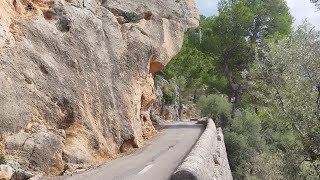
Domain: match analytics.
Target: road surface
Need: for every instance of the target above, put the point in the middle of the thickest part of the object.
(156, 161)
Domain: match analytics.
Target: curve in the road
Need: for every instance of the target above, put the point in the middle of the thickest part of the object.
(156, 161)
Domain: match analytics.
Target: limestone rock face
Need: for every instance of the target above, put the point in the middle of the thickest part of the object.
(5, 172)
(75, 75)
(161, 109)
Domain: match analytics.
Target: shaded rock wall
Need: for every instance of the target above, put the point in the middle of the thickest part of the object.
(161, 109)
(75, 75)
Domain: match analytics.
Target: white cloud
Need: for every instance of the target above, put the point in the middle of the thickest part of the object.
(300, 9)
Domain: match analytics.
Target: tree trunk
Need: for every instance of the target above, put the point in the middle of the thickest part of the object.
(237, 99)
(195, 96)
(236, 89)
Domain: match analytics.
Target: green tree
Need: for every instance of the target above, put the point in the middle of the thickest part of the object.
(243, 142)
(241, 26)
(291, 71)
(196, 67)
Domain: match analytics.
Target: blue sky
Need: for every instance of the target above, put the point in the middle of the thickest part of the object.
(208, 7)
(300, 9)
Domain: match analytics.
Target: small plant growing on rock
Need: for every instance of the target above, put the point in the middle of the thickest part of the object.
(169, 94)
(132, 17)
(2, 159)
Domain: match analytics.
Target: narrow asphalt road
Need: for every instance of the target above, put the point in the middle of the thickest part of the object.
(156, 161)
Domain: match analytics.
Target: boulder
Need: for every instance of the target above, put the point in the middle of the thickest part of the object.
(4, 176)
(40, 148)
(5, 172)
(20, 174)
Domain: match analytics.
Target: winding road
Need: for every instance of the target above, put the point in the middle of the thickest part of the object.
(157, 160)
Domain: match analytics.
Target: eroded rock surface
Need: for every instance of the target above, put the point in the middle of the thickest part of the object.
(166, 109)
(75, 76)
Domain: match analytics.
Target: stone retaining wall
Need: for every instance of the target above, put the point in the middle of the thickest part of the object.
(207, 160)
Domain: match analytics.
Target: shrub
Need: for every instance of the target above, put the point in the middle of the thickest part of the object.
(169, 94)
(244, 142)
(181, 82)
(2, 159)
(215, 107)
(132, 17)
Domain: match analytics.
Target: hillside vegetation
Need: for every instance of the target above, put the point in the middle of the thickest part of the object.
(259, 79)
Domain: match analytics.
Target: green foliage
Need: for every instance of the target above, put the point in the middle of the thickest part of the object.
(309, 170)
(275, 132)
(290, 70)
(316, 3)
(2, 159)
(181, 82)
(169, 94)
(267, 166)
(243, 142)
(132, 17)
(232, 37)
(197, 68)
(216, 107)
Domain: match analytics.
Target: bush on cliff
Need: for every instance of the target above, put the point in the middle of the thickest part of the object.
(169, 94)
(2, 159)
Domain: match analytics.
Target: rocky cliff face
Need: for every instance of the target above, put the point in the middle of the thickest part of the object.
(167, 106)
(75, 76)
